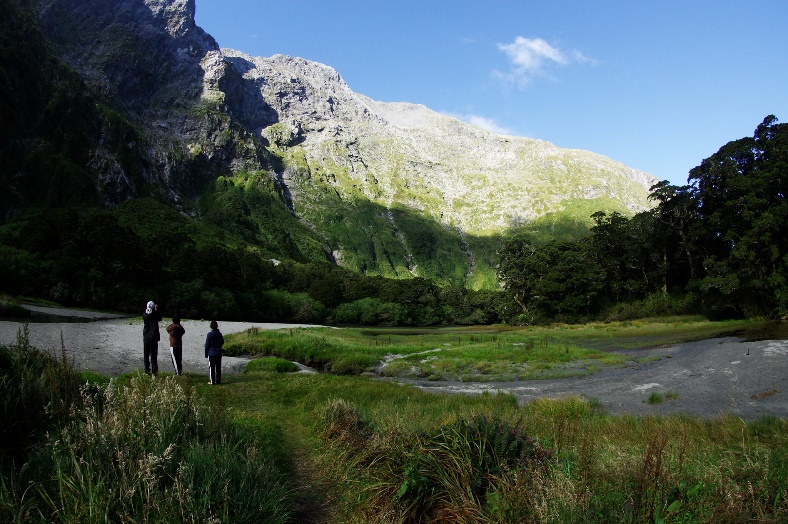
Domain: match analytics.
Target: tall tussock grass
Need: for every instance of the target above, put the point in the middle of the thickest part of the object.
(143, 451)
(450, 473)
(557, 462)
(37, 392)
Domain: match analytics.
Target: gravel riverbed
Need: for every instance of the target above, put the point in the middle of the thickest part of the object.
(728, 375)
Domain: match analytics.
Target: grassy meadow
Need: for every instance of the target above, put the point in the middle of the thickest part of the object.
(270, 445)
(479, 353)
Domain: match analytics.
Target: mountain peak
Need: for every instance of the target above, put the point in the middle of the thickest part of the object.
(383, 187)
(406, 115)
(404, 154)
(178, 15)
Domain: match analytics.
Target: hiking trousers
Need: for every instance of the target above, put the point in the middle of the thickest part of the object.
(215, 369)
(150, 353)
(176, 354)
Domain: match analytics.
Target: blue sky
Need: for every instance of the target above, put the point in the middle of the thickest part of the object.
(658, 86)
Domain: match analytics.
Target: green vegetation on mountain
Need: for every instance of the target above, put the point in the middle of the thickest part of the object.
(362, 212)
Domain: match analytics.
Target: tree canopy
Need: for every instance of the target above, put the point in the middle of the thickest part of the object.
(720, 241)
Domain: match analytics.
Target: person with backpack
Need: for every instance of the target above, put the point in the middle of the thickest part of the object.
(176, 332)
(213, 352)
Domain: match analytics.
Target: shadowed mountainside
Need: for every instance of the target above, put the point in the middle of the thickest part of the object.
(106, 101)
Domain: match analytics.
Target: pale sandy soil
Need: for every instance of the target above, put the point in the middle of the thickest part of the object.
(706, 378)
(112, 344)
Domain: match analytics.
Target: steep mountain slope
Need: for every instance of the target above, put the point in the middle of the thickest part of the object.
(400, 154)
(113, 100)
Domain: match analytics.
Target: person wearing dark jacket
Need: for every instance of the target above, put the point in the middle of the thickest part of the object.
(176, 332)
(150, 337)
(213, 352)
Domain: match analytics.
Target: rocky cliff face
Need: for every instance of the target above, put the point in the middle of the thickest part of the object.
(138, 69)
(405, 154)
(142, 55)
(149, 104)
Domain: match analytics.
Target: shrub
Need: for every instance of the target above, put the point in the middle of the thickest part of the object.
(37, 392)
(362, 311)
(452, 473)
(458, 462)
(655, 398)
(654, 305)
(146, 452)
(271, 364)
(10, 308)
(292, 307)
(343, 423)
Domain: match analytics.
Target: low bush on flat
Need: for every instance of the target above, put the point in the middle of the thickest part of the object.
(556, 462)
(37, 393)
(275, 447)
(271, 364)
(481, 353)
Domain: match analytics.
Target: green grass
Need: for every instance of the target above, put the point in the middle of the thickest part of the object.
(487, 353)
(271, 364)
(656, 397)
(10, 307)
(135, 449)
(377, 451)
(345, 449)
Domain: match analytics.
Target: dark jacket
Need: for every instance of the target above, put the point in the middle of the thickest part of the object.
(213, 343)
(150, 331)
(176, 332)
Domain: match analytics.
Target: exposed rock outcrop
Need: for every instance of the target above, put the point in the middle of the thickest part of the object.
(147, 103)
(407, 154)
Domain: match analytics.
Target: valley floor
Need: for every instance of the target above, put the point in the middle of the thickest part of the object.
(112, 344)
(705, 378)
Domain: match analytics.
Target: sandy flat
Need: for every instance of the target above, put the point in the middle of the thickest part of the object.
(112, 345)
(712, 377)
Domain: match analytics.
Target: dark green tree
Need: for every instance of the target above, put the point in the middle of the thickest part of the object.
(519, 270)
(741, 196)
(675, 231)
(560, 280)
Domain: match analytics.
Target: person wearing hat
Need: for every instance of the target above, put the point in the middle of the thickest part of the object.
(150, 337)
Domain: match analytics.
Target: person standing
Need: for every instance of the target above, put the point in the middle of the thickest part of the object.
(150, 337)
(213, 352)
(176, 332)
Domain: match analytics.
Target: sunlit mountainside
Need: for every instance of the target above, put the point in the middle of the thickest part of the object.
(115, 101)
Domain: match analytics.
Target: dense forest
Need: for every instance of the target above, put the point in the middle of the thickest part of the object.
(143, 249)
(716, 245)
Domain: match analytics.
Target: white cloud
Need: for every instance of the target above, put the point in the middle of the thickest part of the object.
(530, 57)
(483, 122)
(529, 54)
(581, 58)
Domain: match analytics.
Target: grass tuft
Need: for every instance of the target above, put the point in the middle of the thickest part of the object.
(146, 450)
